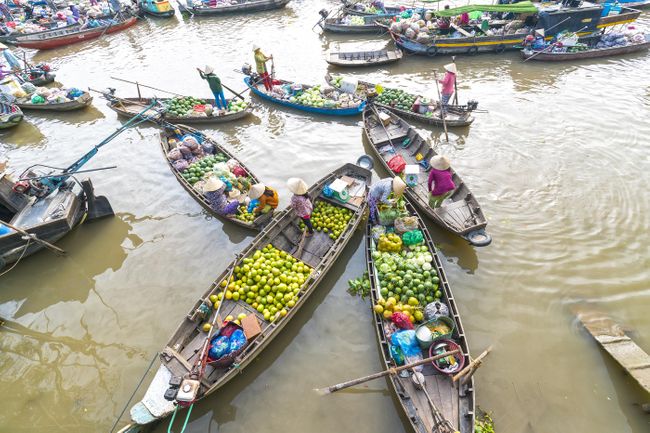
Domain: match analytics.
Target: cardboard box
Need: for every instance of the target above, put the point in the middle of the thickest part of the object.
(251, 326)
(385, 118)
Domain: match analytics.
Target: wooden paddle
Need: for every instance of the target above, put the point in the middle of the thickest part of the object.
(353, 382)
(148, 87)
(453, 60)
(56, 250)
(472, 366)
(442, 108)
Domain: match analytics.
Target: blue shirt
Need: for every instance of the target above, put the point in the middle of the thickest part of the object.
(382, 189)
(11, 60)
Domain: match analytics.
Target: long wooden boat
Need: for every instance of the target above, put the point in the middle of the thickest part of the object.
(336, 25)
(49, 218)
(76, 104)
(130, 107)
(169, 132)
(593, 53)
(456, 402)
(11, 37)
(239, 6)
(10, 115)
(627, 15)
(461, 213)
(70, 35)
(257, 88)
(456, 115)
(352, 59)
(319, 252)
(157, 8)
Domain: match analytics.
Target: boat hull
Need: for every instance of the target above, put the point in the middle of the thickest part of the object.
(54, 39)
(316, 110)
(251, 6)
(371, 58)
(588, 54)
(118, 106)
(81, 102)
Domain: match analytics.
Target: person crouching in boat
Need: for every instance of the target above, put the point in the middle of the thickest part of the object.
(10, 58)
(300, 202)
(381, 192)
(440, 184)
(215, 192)
(447, 83)
(215, 86)
(539, 43)
(267, 197)
(260, 66)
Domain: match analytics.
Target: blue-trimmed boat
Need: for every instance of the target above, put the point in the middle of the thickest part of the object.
(356, 108)
(157, 8)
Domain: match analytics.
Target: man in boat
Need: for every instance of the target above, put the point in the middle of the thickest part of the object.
(215, 86)
(447, 82)
(539, 43)
(115, 6)
(215, 192)
(440, 183)
(260, 66)
(267, 196)
(381, 192)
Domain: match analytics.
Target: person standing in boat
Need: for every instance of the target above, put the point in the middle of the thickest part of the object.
(300, 202)
(267, 197)
(440, 183)
(448, 82)
(260, 66)
(380, 192)
(215, 86)
(214, 191)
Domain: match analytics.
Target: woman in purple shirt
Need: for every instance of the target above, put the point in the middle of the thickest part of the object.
(300, 202)
(440, 181)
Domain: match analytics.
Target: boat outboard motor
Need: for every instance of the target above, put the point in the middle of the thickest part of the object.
(246, 69)
(324, 13)
(472, 105)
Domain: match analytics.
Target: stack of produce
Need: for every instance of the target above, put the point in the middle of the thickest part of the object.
(397, 98)
(328, 218)
(237, 105)
(316, 97)
(198, 169)
(44, 95)
(269, 280)
(352, 20)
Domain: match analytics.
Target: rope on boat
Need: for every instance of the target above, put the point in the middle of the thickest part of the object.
(136, 390)
(29, 241)
(187, 418)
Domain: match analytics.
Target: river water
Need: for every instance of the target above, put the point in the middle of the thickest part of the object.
(559, 163)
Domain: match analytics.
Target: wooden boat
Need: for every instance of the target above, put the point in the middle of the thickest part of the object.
(456, 402)
(129, 107)
(49, 218)
(625, 16)
(10, 115)
(592, 53)
(337, 25)
(167, 133)
(318, 251)
(363, 58)
(157, 8)
(257, 87)
(76, 104)
(42, 80)
(456, 116)
(70, 35)
(11, 37)
(239, 6)
(461, 213)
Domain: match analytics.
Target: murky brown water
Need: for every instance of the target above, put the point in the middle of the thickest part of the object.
(560, 165)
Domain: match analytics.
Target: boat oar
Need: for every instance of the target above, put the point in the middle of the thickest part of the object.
(235, 93)
(353, 382)
(453, 60)
(76, 172)
(110, 25)
(56, 250)
(472, 366)
(442, 108)
(148, 87)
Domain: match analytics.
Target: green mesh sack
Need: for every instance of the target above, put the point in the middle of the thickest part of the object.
(413, 237)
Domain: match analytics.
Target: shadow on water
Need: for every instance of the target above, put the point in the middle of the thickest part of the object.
(220, 404)
(25, 133)
(93, 248)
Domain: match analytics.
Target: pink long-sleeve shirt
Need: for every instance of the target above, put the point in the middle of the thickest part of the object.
(448, 83)
(442, 181)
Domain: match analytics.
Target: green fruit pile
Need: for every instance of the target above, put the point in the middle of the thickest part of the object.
(182, 106)
(244, 215)
(269, 280)
(237, 105)
(328, 218)
(198, 169)
(397, 98)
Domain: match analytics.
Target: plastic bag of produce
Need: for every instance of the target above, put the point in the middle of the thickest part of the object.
(401, 321)
(423, 38)
(237, 340)
(252, 205)
(409, 33)
(395, 28)
(436, 309)
(219, 347)
(181, 165)
(413, 237)
(396, 354)
(74, 93)
(186, 151)
(397, 164)
(208, 148)
(406, 341)
(377, 231)
(238, 171)
(38, 99)
(387, 216)
(29, 88)
(406, 224)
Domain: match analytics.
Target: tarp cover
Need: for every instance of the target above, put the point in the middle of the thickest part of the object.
(524, 7)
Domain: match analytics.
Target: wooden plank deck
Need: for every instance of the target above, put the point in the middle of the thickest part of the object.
(611, 337)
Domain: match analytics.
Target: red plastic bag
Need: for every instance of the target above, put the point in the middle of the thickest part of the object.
(401, 321)
(238, 171)
(397, 164)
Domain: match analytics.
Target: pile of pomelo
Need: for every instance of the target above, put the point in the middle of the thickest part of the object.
(330, 219)
(269, 280)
